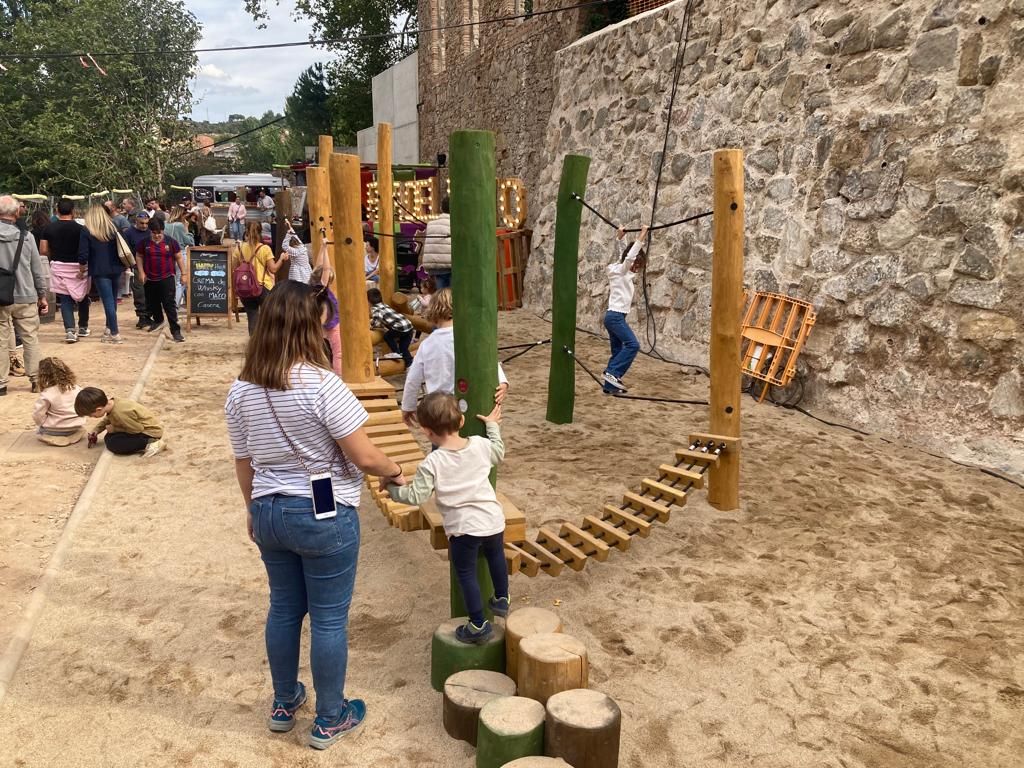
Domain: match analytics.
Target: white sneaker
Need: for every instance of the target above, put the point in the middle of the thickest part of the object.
(614, 382)
(70, 336)
(153, 449)
(119, 339)
(83, 332)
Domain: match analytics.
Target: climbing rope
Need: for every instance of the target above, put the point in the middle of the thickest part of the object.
(629, 397)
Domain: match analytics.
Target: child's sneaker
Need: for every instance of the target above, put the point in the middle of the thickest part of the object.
(613, 382)
(325, 733)
(83, 332)
(473, 634)
(154, 447)
(282, 715)
(500, 606)
(70, 337)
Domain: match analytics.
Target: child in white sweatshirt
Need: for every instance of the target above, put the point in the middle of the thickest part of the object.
(620, 300)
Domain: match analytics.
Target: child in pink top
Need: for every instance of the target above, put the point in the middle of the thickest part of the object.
(54, 412)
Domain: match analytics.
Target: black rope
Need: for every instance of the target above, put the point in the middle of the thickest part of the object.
(417, 218)
(652, 355)
(630, 397)
(530, 348)
(612, 224)
(520, 346)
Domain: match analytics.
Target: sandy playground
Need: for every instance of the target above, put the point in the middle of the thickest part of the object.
(862, 609)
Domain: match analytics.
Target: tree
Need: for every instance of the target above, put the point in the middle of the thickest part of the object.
(260, 150)
(76, 130)
(308, 108)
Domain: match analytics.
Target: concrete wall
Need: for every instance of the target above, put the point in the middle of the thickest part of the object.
(884, 179)
(395, 99)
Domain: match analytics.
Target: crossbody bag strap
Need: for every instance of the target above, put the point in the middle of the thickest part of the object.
(291, 445)
(17, 253)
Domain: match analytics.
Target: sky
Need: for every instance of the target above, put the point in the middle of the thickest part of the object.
(248, 82)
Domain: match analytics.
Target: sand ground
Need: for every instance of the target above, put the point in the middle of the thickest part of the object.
(861, 609)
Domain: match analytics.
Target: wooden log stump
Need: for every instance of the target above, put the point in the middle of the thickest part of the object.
(465, 694)
(550, 663)
(525, 622)
(582, 727)
(510, 728)
(537, 762)
(448, 655)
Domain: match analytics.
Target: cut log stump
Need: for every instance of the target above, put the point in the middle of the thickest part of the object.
(465, 694)
(448, 655)
(582, 728)
(549, 663)
(510, 728)
(525, 622)
(537, 762)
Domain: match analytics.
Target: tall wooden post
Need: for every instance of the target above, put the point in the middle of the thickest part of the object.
(474, 296)
(569, 212)
(387, 212)
(318, 198)
(283, 219)
(325, 148)
(356, 348)
(726, 308)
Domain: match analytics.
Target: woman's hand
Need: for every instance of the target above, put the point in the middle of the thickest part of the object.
(248, 526)
(494, 417)
(409, 417)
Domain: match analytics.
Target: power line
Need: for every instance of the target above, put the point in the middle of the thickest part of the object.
(230, 138)
(298, 43)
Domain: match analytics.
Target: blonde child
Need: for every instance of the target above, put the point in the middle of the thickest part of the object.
(433, 367)
(323, 278)
(459, 473)
(54, 412)
(130, 427)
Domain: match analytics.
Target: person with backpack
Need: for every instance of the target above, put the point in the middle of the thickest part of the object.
(252, 272)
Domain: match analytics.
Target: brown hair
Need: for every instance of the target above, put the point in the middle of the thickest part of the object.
(88, 400)
(439, 412)
(54, 372)
(317, 277)
(440, 308)
(287, 333)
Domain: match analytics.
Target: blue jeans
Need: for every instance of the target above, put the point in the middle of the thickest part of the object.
(106, 286)
(463, 551)
(67, 311)
(442, 279)
(311, 565)
(623, 341)
(236, 229)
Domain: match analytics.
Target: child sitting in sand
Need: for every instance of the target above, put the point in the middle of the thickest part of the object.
(459, 472)
(54, 412)
(130, 427)
(620, 300)
(434, 364)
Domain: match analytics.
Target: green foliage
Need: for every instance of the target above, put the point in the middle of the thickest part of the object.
(308, 108)
(258, 151)
(74, 129)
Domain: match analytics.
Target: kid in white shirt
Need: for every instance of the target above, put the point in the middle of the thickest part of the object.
(620, 300)
(459, 472)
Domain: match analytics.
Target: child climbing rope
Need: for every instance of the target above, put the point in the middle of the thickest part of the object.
(620, 300)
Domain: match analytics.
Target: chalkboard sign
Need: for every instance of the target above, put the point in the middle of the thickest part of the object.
(209, 283)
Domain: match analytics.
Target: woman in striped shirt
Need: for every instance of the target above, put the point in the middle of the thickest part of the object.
(290, 417)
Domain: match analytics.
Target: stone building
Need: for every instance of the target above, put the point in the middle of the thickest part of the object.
(884, 181)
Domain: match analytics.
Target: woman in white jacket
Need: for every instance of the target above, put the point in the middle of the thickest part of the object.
(436, 250)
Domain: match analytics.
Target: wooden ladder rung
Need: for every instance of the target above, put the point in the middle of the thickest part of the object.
(616, 537)
(677, 495)
(528, 564)
(550, 563)
(696, 457)
(562, 549)
(591, 545)
(513, 560)
(394, 428)
(704, 438)
(626, 520)
(696, 479)
(379, 404)
(385, 417)
(655, 509)
(383, 441)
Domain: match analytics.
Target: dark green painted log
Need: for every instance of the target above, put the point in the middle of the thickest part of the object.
(562, 375)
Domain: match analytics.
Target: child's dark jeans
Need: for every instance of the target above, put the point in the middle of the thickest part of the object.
(126, 443)
(399, 342)
(463, 552)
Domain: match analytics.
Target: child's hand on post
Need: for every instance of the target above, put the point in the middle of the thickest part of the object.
(500, 392)
(494, 417)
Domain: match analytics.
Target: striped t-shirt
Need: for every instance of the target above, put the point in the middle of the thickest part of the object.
(315, 412)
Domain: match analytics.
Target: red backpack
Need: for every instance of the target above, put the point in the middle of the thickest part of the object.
(243, 278)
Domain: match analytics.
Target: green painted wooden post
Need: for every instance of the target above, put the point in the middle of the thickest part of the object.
(568, 213)
(474, 296)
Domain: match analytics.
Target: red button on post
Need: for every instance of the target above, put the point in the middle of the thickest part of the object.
(462, 386)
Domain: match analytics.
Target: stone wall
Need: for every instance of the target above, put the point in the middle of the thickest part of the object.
(884, 182)
(500, 81)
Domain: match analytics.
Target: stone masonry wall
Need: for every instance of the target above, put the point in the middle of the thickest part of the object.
(503, 82)
(884, 182)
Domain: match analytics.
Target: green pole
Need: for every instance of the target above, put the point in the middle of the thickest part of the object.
(568, 212)
(474, 213)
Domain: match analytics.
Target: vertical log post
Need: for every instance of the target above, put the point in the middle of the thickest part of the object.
(726, 308)
(569, 211)
(356, 348)
(474, 297)
(387, 212)
(283, 217)
(318, 193)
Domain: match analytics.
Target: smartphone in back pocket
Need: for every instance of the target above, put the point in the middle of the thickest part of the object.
(322, 486)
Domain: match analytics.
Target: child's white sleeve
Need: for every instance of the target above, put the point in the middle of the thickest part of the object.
(502, 379)
(631, 255)
(497, 444)
(418, 491)
(413, 381)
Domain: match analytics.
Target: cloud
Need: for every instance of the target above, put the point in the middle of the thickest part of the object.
(248, 82)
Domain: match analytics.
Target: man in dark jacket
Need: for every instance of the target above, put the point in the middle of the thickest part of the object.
(135, 236)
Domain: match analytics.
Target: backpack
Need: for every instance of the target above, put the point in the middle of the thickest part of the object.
(243, 278)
